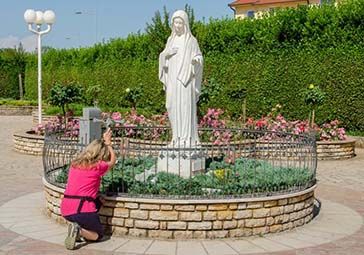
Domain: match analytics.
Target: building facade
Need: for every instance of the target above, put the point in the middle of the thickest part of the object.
(256, 8)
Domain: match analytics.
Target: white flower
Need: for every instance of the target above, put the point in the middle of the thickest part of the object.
(127, 90)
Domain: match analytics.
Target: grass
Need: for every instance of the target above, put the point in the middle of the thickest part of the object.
(55, 110)
(355, 133)
(14, 102)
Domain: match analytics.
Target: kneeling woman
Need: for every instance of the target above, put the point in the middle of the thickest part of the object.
(80, 204)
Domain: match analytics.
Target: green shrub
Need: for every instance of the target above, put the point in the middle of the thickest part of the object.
(272, 59)
(62, 95)
(246, 176)
(77, 109)
(12, 64)
(18, 102)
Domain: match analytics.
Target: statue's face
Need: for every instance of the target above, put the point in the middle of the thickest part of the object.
(178, 25)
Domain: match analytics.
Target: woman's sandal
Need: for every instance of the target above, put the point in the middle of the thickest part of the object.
(72, 236)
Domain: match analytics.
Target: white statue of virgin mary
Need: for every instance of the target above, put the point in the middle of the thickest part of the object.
(180, 71)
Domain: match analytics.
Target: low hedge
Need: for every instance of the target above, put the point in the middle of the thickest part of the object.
(246, 176)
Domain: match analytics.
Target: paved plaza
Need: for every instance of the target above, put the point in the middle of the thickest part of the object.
(24, 228)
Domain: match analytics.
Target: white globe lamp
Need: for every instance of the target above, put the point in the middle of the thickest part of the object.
(39, 18)
(49, 17)
(29, 16)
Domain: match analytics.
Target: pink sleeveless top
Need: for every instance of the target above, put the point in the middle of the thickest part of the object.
(83, 182)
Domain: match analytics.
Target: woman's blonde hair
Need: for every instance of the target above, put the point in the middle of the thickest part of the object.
(94, 152)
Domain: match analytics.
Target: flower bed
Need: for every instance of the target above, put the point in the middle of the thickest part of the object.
(332, 144)
(28, 142)
(234, 196)
(221, 178)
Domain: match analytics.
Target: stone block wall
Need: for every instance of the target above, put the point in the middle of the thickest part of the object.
(359, 141)
(190, 219)
(332, 150)
(12, 110)
(45, 118)
(28, 143)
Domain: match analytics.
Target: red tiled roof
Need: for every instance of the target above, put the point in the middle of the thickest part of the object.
(260, 2)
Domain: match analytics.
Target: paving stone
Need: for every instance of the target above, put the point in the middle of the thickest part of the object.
(190, 247)
(135, 246)
(270, 245)
(162, 248)
(217, 247)
(244, 246)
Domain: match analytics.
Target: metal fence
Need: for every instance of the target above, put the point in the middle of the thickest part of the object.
(229, 162)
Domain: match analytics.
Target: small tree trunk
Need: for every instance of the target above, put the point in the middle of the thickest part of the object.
(64, 112)
(244, 110)
(21, 93)
(313, 118)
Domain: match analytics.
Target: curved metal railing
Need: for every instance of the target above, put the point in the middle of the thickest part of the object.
(227, 162)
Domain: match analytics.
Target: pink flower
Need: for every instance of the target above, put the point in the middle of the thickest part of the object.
(116, 116)
(261, 123)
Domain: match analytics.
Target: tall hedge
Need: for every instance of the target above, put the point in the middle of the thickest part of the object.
(274, 58)
(12, 63)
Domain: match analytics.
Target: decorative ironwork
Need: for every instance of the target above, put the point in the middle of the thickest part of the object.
(248, 163)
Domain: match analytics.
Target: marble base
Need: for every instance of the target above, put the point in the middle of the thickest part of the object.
(177, 162)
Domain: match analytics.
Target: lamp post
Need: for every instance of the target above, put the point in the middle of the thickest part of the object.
(38, 18)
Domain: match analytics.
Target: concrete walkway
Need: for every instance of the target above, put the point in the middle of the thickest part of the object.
(24, 229)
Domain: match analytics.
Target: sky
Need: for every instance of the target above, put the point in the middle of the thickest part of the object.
(99, 21)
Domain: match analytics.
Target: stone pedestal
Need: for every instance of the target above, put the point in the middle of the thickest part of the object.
(90, 128)
(181, 162)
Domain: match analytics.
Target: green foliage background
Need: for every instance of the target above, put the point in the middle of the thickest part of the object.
(274, 58)
(12, 63)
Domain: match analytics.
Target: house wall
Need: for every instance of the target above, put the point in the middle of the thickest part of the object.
(242, 10)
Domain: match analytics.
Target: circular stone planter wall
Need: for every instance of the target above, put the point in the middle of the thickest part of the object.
(326, 150)
(12, 110)
(207, 218)
(359, 141)
(329, 150)
(29, 143)
(45, 118)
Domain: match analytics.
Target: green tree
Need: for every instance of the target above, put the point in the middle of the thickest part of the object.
(62, 95)
(12, 64)
(314, 97)
(132, 96)
(191, 17)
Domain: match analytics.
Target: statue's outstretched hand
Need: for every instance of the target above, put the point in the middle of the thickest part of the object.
(196, 65)
(171, 52)
(196, 61)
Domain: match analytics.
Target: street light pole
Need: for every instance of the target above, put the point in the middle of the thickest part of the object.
(38, 18)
